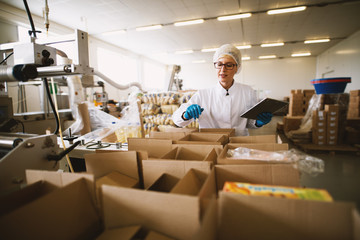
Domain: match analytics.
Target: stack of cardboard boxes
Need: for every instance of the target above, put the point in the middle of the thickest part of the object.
(319, 127)
(354, 105)
(169, 189)
(353, 118)
(332, 121)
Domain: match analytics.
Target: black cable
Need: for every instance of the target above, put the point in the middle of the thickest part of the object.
(30, 19)
(4, 60)
(63, 153)
(22, 124)
(52, 106)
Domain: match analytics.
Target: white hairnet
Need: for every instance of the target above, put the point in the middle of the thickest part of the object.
(228, 50)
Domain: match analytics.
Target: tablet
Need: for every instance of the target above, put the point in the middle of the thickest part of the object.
(265, 105)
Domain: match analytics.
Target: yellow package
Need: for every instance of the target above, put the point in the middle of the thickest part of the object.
(278, 191)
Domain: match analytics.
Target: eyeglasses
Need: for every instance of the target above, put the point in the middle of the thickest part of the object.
(228, 66)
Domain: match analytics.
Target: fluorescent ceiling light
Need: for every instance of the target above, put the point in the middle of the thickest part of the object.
(286, 10)
(243, 47)
(146, 28)
(317, 41)
(232, 17)
(198, 61)
(112, 33)
(267, 57)
(209, 49)
(245, 58)
(184, 52)
(272, 44)
(191, 22)
(301, 54)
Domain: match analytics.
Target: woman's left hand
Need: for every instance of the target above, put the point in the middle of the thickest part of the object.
(263, 118)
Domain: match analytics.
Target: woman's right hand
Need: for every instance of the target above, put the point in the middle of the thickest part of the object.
(193, 111)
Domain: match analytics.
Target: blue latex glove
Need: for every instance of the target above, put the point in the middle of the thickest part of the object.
(193, 111)
(263, 118)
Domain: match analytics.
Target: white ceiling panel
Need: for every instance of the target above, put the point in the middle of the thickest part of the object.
(336, 20)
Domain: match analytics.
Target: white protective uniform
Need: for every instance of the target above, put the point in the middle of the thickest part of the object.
(221, 110)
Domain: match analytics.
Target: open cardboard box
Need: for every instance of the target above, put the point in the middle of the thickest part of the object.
(259, 217)
(254, 139)
(64, 213)
(154, 147)
(173, 215)
(230, 132)
(178, 161)
(270, 147)
(204, 139)
(269, 174)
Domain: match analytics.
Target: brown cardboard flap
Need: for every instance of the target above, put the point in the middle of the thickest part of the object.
(153, 169)
(174, 215)
(168, 135)
(31, 192)
(164, 183)
(204, 138)
(356, 219)
(61, 179)
(217, 147)
(275, 218)
(117, 179)
(124, 233)
(271, 174)
(191, 183)
(101, 164)
(154, 147)
(70, 207)
(254, 139)
(228, 131)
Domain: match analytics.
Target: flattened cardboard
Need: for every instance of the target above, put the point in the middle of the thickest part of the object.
(174, 215)
(223, 159)
(69, 208)
(155, 147)
(204, 139)
(276, 218)
(253, 139)
(124, 233)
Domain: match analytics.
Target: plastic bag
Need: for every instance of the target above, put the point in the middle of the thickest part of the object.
(305, 163)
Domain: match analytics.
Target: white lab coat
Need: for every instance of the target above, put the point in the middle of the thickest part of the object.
(220, 110)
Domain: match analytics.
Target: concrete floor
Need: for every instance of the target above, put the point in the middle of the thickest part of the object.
(342, 170)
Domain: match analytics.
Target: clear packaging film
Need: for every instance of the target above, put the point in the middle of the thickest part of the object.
(305, 163)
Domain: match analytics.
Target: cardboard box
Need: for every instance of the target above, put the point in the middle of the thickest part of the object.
(276, 218)
(165, 183)
(178, 161)
(254, 139)
(204, 139)
(230, 132)
(70, 208)
(178, 129)
(292, 122)
(154, 147)
(124, 233)
(168, 135)
(224, 159)
(174, 215)
(354, 93)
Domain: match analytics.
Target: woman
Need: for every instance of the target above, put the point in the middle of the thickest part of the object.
(222, 105)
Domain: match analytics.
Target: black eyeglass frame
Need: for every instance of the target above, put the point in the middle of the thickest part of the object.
(228, 66)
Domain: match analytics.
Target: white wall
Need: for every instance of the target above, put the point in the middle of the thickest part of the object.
(342, 60)
(272, 78)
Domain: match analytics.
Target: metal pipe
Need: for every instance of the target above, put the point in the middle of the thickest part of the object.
(114, 84)
(20, 72)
